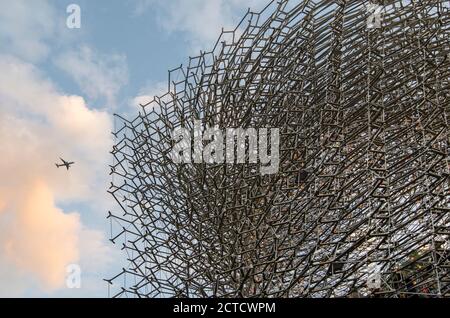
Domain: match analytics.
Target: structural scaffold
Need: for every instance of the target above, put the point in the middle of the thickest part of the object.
(360, 206)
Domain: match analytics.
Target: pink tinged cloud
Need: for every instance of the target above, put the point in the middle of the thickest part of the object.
(37, 125)
(41, 239)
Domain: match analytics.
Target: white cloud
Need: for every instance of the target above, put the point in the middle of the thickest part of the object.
(147, 94)
(38, 238)
(26, 27)
(98, 75)
(203, 20)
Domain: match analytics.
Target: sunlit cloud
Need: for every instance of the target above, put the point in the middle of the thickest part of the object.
(98, 75)
(37, 125)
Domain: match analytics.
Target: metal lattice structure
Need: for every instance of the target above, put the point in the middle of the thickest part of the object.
(361, 204)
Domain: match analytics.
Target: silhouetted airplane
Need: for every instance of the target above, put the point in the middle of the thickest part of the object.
(64, 164)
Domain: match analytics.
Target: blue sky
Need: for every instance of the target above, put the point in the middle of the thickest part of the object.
(138, 31)
(58, 90)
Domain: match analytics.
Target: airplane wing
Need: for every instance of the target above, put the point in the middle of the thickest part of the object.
(65, 163)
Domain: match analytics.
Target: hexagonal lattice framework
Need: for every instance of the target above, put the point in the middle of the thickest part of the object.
(361, 203)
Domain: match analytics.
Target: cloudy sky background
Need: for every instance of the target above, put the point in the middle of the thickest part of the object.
(58, 90)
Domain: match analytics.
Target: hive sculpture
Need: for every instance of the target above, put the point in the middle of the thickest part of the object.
(360, 206)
